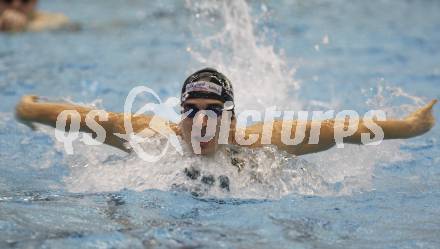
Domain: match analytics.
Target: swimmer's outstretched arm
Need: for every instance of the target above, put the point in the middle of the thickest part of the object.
(415, 124)
(29, 110)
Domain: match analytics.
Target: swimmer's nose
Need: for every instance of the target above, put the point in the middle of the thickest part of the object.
(203, 131)
(201, 120)
(204, 123)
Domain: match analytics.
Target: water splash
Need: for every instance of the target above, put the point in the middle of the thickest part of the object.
(225, 38)
(389, 98)
(267, 173)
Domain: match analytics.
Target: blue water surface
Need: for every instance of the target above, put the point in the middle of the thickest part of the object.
(344, 53)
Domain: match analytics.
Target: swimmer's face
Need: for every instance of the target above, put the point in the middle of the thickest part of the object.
(200, 122)
(26, 7)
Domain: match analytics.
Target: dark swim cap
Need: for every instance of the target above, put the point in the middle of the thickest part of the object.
(207, 83)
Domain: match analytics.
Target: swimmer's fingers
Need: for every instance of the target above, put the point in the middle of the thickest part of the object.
(424, 112)
(29, 99)
(20, 115)
(24, 108)
(429, 106)
(25, 103)
(422, 120)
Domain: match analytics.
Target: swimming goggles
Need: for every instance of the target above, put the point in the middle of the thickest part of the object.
(192, 110)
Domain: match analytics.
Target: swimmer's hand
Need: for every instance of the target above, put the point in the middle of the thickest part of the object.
(29, 99)
(23, 110)
(11, 20)
(422, 120)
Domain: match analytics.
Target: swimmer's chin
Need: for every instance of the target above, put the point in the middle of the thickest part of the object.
(206, 149)
(204, 152)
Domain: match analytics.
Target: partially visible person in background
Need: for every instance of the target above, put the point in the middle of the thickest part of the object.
(22, 15)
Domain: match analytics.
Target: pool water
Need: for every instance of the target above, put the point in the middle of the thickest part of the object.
(297, 55)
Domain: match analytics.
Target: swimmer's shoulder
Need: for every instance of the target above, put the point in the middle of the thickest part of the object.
(47, 21)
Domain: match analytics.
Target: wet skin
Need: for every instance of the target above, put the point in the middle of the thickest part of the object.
(200, 122)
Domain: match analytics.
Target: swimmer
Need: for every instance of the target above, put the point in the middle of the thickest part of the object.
(208, 89)
(22, 15)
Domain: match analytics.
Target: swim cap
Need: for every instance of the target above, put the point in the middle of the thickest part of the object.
(207, 83)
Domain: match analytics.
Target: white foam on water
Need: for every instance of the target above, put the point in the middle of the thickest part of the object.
(267, 173)
(227, 40)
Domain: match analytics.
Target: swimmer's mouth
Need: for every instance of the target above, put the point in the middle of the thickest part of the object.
(199, 140)
(204, 144)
